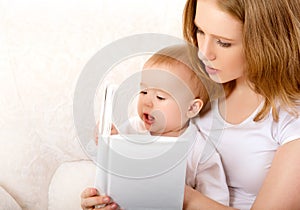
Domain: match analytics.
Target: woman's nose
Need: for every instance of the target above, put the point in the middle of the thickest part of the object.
(206, 50)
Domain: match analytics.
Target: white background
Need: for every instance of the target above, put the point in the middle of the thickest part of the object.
(44, 45)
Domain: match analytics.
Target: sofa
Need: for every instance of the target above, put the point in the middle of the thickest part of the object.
(45, 45)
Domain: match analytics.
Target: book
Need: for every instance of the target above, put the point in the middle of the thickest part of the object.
(140, 172)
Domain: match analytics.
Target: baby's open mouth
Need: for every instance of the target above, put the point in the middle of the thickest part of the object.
(149, 119)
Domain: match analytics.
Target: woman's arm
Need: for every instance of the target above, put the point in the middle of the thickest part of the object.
(281, 188)
(194, 200)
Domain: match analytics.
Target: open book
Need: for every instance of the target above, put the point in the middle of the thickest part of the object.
(140, 171)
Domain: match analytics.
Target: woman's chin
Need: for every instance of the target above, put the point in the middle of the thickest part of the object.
(216, 78)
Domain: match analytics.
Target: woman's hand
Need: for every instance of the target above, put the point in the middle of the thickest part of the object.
(90, 200)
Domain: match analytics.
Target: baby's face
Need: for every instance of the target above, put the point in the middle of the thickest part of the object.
(164, 100)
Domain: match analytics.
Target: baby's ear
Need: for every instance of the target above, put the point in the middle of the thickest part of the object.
(194, 108)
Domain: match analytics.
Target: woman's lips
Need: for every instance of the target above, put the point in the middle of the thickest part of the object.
(210, 70)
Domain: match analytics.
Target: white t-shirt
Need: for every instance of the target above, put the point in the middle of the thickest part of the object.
(247, 149)
(204, 171)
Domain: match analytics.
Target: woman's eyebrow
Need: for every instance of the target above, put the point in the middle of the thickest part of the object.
(215, 35)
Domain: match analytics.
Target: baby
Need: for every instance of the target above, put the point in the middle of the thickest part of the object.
(170, 95)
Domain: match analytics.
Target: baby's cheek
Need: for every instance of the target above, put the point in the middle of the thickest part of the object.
(139, 108)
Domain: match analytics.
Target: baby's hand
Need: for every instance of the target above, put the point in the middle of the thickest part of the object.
(113, 131)
(90, 199)
(96, 133)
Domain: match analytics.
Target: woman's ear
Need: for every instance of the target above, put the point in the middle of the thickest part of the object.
(194, 108)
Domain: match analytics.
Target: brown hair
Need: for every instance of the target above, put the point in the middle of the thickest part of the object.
(179, 55)
(271, 40)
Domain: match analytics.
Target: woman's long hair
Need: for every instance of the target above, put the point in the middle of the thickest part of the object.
(271, 41)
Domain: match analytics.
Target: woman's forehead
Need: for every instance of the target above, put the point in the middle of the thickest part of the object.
(214, 21)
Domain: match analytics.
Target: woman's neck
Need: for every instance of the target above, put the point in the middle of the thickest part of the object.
(240, 104)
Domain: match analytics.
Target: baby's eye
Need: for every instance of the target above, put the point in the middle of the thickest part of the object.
(160, 98)
(144, 92)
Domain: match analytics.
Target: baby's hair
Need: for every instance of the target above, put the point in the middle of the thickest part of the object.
(179, 55)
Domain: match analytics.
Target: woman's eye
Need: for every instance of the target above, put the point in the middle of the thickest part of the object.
(160, 98)
(223, 44)
(199, 31)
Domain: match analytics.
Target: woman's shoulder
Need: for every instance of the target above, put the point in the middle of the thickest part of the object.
(284, 130)
(287, 127)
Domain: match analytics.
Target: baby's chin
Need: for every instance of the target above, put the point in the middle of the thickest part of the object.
(163, 132)
(155, 131)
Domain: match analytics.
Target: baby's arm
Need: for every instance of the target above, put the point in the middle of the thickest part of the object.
(210, 179)
(206, 182)
(205, 171)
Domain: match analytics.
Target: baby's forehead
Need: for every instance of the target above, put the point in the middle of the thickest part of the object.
(146, 87)
(175, 67)
(184, 74)
(167, 81)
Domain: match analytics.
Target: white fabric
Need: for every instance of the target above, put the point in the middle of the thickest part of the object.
(247, 149)
(204, 171)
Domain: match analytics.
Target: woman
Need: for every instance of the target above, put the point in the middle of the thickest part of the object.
(252, 48)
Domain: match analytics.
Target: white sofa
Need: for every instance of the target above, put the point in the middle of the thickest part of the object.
(44, 47)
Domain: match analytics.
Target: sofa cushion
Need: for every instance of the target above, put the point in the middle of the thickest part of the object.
(7, 201)
(69, 180)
